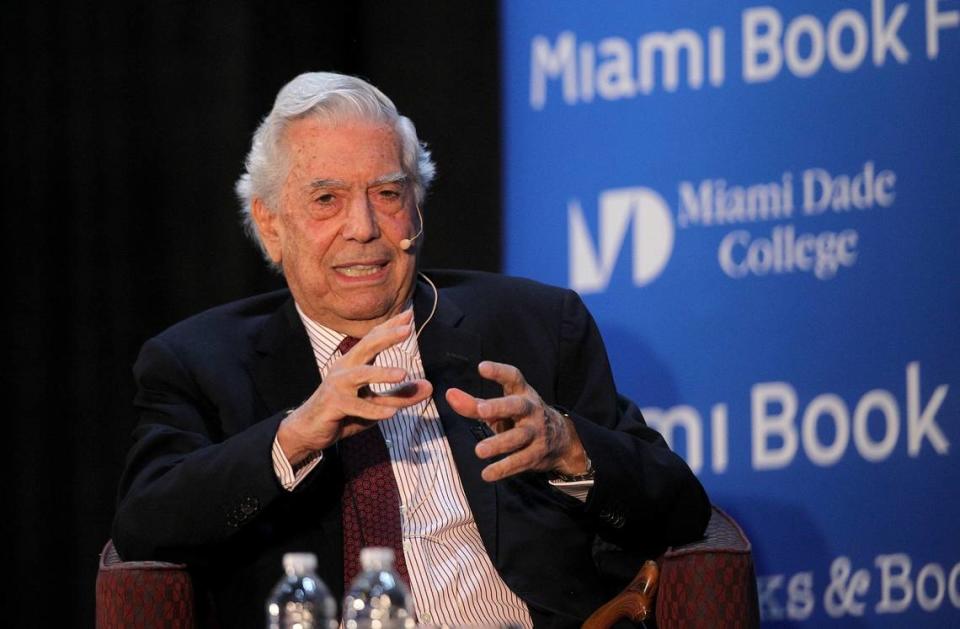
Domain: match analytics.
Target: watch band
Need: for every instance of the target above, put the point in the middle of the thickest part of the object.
(573, 478)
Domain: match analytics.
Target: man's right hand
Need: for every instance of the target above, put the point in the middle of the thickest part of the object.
(343, 405)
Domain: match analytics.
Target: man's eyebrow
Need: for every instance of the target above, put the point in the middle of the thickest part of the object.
(328, 183)
(399, 177)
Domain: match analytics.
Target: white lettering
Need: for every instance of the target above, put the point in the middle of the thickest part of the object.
(716, 60)
(800, 26)
(785, 251)
(615, 73)
(882, 401)
(832, 406)
(616, 67)
(712, 202)
(891, 580)
(696, 207)
(935, 572)
(864, 190)
(668, 45)
(841, 596)
(923, 424)
(805, 46)
(588, 59)
(952, 585)
(719, 439)
(762, 57)
(767, 586)
(937, 21)
(733, 269)
(767, 423)
(886, 179)
(841, 60)
(824, 429)
(800, 598)
(549, 63)
(815, 179)
(885, 33)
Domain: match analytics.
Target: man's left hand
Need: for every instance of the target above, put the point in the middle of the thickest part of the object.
(534, 436)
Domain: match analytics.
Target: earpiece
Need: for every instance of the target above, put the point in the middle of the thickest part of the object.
(436, 300)
(406, 243)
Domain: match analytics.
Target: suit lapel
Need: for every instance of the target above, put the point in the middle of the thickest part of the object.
(450, 356)
(286, 371)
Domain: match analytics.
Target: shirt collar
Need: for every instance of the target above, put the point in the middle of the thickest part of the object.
(325, 341)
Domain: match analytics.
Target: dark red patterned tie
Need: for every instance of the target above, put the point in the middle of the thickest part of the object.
(371, 500)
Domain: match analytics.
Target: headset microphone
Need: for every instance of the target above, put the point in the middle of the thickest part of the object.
(406, 243)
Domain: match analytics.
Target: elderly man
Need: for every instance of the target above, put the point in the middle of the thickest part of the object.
(467, 420)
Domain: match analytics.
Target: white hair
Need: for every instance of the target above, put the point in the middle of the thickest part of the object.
(328, 96)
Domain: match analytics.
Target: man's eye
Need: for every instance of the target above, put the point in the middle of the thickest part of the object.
(325, 199)
(390, 194)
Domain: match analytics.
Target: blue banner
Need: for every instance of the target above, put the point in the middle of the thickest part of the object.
(761, 207)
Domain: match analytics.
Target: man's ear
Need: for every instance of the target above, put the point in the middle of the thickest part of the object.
(269, 227)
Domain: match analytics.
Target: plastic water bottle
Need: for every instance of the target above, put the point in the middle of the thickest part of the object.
(300, 599)
(377, 598)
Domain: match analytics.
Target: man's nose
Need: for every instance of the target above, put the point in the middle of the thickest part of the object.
(360, 222)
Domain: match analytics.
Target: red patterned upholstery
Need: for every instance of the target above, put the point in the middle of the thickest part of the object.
(710, 583)
(143, 594)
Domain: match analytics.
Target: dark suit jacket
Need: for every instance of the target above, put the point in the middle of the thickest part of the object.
(199, 486)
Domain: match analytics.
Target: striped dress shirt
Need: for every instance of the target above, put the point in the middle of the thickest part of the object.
(452, 579)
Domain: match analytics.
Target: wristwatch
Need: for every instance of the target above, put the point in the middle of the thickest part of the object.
(573, 478)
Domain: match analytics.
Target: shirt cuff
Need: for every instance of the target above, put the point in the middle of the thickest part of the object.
(288, 475)
(578, 489)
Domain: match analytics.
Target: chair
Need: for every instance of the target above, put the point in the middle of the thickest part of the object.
(143, 594)
(709, 583)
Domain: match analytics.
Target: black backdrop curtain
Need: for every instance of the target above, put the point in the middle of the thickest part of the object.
(124, 128)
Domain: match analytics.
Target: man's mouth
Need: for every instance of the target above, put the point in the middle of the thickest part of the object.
(360, 270)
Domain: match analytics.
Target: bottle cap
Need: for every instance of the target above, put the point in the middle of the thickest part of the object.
(299, 563)
(376, 558)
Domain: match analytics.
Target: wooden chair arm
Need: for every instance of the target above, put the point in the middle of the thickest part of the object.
(634, 602)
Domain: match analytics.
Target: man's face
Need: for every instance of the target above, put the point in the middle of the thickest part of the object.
(344, 208)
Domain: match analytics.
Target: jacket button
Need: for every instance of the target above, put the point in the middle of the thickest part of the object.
(616, 520)
(249, 506)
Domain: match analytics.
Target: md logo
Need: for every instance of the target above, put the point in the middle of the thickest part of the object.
(591, 265)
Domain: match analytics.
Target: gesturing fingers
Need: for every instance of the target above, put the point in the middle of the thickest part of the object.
(387, 334)
(354, 384)
(531, 436)
(508, 376)
(537, 442)
(519, 399)
(354, 378)
(368, 409)
(463, 403)
(406, 394)
(519, 461)
(506, 442)
(511, 406)
(524, 447)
